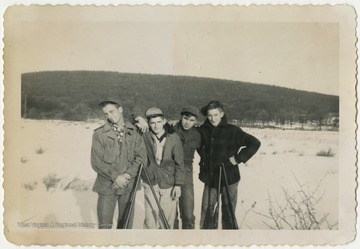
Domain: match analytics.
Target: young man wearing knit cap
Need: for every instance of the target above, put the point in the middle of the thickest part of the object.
(165, 169)
(116, 154)
(190, 138)
(222, 145)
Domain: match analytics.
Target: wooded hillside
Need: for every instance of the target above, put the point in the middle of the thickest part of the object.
(74, 95)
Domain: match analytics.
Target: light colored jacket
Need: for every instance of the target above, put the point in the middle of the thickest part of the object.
(171, 171)
(109, 160)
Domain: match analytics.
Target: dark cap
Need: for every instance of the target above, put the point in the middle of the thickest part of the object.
(153, 111)
(190, 109)
(110, 100)
(214, 104)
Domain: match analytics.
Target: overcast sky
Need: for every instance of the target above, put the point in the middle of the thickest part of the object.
(246, 46)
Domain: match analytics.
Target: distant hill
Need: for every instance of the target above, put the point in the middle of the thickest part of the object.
(74, 95)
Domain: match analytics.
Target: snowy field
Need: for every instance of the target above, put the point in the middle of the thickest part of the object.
(292, 169)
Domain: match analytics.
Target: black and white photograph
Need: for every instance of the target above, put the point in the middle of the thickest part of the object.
(227, 125)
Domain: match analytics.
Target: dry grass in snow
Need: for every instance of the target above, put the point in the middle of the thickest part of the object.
(289, 176)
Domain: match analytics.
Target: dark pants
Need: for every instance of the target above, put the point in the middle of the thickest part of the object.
(186, 203)
(209, 216)
(106, 207)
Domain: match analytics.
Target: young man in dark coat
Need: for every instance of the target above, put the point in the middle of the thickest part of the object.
(221, 144)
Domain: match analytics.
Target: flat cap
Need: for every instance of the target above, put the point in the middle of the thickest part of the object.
(109, 100)
(153, 111)
(191, 109)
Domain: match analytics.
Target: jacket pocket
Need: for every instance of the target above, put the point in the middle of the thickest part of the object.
(110, 153)
(109, 157)
(167, 174)
(151, 173)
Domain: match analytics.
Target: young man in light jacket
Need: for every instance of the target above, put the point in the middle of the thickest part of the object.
(165, 168)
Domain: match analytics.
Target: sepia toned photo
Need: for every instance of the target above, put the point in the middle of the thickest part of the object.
(224, 125)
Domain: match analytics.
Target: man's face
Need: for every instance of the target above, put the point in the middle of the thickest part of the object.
(157, 125)
(112, 113)
(188, 121)
(214, 116)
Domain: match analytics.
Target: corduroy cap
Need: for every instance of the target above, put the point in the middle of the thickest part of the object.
(191, 109)
(153, 111)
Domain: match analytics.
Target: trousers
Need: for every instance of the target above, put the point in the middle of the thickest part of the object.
(186, 203)
(168, 205)
(209, 216)
(106, 207)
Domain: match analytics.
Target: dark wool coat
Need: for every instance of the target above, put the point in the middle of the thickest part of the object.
(110, 160)
(220, 143)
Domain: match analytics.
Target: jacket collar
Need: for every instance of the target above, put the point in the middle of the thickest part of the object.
(169, 129)
(160, 139)
(179, 126)
(129, 127)
(222, 123)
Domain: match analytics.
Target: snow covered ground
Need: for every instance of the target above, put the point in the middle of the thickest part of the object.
(286, 163)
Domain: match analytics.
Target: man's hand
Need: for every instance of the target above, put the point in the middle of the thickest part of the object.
(142, 124)
(233, 160)
(175, 192)
(121, 181)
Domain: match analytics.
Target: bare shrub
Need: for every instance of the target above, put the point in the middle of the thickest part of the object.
(246, 211)
(328, 153)
(40, 150)
(297, 211)
(51, 181)
(30, 185)
(77, 184)
(23, 159)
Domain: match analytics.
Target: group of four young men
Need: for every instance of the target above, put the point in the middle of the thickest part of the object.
(166, 153)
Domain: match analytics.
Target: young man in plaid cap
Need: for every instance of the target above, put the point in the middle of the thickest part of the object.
(116, 154)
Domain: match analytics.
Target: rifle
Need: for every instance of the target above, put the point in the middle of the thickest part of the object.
(211, 221)
(232, 212)
(161, 212)
(215, 221)
(124, 222)
(208, 221)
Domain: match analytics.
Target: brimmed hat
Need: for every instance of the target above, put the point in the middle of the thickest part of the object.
(153, 111)
(211, 105)
(191, 109)
(110, 100)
